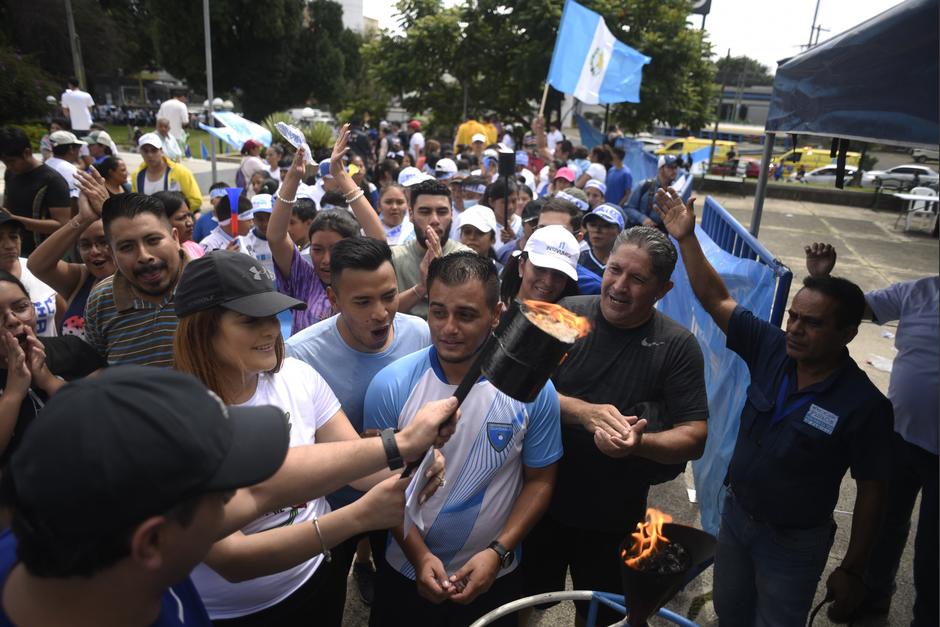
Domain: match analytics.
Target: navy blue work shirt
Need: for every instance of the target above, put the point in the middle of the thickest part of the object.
(793, 447)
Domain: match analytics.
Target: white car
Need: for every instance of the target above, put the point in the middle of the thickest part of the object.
(650, 143)
(921, 155)
(904, 174)
(825, 175)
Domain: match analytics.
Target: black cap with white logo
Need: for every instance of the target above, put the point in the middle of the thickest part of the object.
(236, 281)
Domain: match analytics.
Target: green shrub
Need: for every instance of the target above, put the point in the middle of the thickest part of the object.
(23, 88)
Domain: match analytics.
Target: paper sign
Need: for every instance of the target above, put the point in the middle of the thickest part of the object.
(413, 493)
(295, 138)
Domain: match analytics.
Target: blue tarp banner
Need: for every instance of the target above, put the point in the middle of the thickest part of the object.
(726, 377)
(875, 82)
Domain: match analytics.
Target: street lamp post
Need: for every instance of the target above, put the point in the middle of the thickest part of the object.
(77, 64)
(211, 120)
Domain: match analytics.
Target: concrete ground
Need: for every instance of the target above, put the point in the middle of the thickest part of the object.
(871, 252)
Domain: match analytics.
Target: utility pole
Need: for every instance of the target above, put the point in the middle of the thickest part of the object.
(209, 94)
(721, 93)
(809, 44)
(819, 28)
(77, 64)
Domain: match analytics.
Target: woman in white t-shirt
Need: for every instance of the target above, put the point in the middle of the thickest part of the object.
(393, 212)
(45, 299)
(276, 570)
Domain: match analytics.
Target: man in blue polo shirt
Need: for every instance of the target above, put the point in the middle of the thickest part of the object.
(502, 461)
(810, 415)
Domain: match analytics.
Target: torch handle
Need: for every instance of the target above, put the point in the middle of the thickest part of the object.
(463, 389)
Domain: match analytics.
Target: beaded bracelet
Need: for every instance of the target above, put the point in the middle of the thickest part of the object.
(284, 200)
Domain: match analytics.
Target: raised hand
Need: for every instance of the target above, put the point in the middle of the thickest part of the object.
(18, 376)
(92, 194)
(678, 218)
(298, 166)
(820, 259)
(340, 148)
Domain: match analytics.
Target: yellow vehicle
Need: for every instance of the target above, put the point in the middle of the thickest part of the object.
(812, 158)
(684, 145)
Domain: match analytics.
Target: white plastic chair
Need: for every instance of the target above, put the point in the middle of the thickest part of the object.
(920, 208)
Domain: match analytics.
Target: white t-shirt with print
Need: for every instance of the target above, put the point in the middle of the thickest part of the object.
(259, 248)
(309, 404)
(43, 299)
(77, 102)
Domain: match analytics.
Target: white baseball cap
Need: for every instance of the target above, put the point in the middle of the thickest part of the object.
(478, 137)
(480, 217)
(445, 169)
(556, 248)
(150, 139)
(412, 176)
(65, 138)
(263, 203)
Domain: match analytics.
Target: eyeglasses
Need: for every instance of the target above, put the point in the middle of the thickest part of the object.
(85, 245)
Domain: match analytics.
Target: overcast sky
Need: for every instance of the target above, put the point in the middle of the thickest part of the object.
(765, 30)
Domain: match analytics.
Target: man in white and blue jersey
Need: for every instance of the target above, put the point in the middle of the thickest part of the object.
(350, 348)
(130, 317)
(502, 462)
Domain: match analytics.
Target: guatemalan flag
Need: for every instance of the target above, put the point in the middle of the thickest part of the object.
(589, 62)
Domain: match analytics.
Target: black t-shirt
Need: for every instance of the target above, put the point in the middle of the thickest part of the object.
(31, 194)
(68, 357)
(655, 371)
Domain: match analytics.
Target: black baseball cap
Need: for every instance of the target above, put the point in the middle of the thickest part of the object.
(109, 451)
(236, 281)
(6, 218)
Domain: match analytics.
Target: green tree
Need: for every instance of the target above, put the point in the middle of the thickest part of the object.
(499, 54)
(270, 54)
(742, 70)
(39, 28)
(23, 89)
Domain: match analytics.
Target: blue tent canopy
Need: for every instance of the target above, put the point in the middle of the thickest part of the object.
(876, 82)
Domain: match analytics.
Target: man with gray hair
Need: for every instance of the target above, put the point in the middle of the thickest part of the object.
(633, 411)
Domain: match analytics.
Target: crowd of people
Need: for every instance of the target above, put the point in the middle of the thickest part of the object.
(170, 455)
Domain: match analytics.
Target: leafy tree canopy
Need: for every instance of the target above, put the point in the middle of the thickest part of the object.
(498, 54)
(743, 70)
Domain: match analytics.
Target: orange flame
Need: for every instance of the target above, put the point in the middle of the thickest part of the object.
(556, 320)
(647, 538)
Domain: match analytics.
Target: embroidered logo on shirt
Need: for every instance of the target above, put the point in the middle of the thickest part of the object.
(821, 419)
(645, 342)
(499, 435)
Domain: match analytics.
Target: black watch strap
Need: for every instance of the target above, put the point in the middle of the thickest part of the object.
(392, 454)
(505, 555)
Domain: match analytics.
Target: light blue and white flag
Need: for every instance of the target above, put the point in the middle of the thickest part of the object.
(243, 127)
(590, 63)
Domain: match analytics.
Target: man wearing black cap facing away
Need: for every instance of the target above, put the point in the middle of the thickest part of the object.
(130, 477)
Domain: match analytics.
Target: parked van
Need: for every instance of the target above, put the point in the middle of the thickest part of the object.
(812, 158)
(685, 145)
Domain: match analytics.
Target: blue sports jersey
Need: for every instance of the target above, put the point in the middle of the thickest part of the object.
(495, 437)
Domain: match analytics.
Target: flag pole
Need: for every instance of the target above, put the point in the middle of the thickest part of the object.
(544, 100)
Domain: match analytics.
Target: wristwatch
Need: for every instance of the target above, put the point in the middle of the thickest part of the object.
(392, 454)
(505, 555)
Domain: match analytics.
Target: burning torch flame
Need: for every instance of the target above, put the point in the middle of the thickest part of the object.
(556, 320)
(647, 538)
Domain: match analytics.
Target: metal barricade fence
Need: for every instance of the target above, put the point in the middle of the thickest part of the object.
(733, 238)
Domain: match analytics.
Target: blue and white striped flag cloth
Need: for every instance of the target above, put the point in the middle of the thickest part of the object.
(590, 63)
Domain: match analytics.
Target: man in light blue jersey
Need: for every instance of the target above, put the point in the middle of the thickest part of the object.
(348, 349)
(501, 461)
